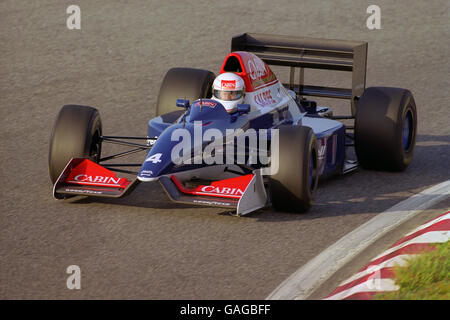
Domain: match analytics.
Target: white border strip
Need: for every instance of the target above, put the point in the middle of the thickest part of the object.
(400, 260)
(429, 224)
(314, 273)
(368, 285)
(426, 238)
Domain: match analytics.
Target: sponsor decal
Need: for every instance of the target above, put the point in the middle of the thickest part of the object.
(212, 202)
(264, 98)
(151, 142)
(91, 173)
(228, 188)
(82, 191)
(205, 103)
(256, 68)
(322, 150)
(228, 84)
(146, 173)
(222, 190)
(97, 179)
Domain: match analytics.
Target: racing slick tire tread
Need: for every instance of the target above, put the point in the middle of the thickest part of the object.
(291, 188)
(76, 134)
(380, 118)
(183, 83)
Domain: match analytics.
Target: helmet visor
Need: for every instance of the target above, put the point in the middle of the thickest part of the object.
(228, 95)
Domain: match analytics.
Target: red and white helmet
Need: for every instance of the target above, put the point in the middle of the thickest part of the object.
(229, 90)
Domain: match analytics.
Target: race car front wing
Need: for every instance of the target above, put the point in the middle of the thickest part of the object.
(81, 176)
(244, 194)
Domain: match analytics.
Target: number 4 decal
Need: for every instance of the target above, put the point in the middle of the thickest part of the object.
(154, 158)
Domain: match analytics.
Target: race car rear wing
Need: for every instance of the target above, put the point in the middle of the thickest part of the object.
(299, 52)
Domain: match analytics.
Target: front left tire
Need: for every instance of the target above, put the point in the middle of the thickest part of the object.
(293, 187)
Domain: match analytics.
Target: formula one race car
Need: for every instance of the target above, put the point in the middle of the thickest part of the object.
(246, 141)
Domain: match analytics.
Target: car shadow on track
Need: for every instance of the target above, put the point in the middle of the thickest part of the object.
(360, 192)
(146, 195)
(372, 192)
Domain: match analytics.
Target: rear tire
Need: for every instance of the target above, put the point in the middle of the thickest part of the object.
(76, 134)
(293, 187)
(183, 83)
(385, 128)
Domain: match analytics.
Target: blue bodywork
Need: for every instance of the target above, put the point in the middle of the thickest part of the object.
(330, 134)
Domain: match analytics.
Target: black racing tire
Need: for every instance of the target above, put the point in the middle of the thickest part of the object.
(76, 134)
(293, 187)
(183, 83)
(385, 128)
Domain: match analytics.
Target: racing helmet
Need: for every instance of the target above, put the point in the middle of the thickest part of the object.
(229, 90)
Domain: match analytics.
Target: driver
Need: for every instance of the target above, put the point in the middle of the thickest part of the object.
(229, 90)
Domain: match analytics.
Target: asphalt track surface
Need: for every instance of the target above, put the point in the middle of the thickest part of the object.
(144, 246)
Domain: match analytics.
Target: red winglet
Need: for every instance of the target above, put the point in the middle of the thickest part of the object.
(228, 188)
(93, 174)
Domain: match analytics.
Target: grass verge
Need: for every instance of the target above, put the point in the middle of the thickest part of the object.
(425, 277)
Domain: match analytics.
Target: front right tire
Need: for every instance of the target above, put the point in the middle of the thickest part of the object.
(76, 134)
